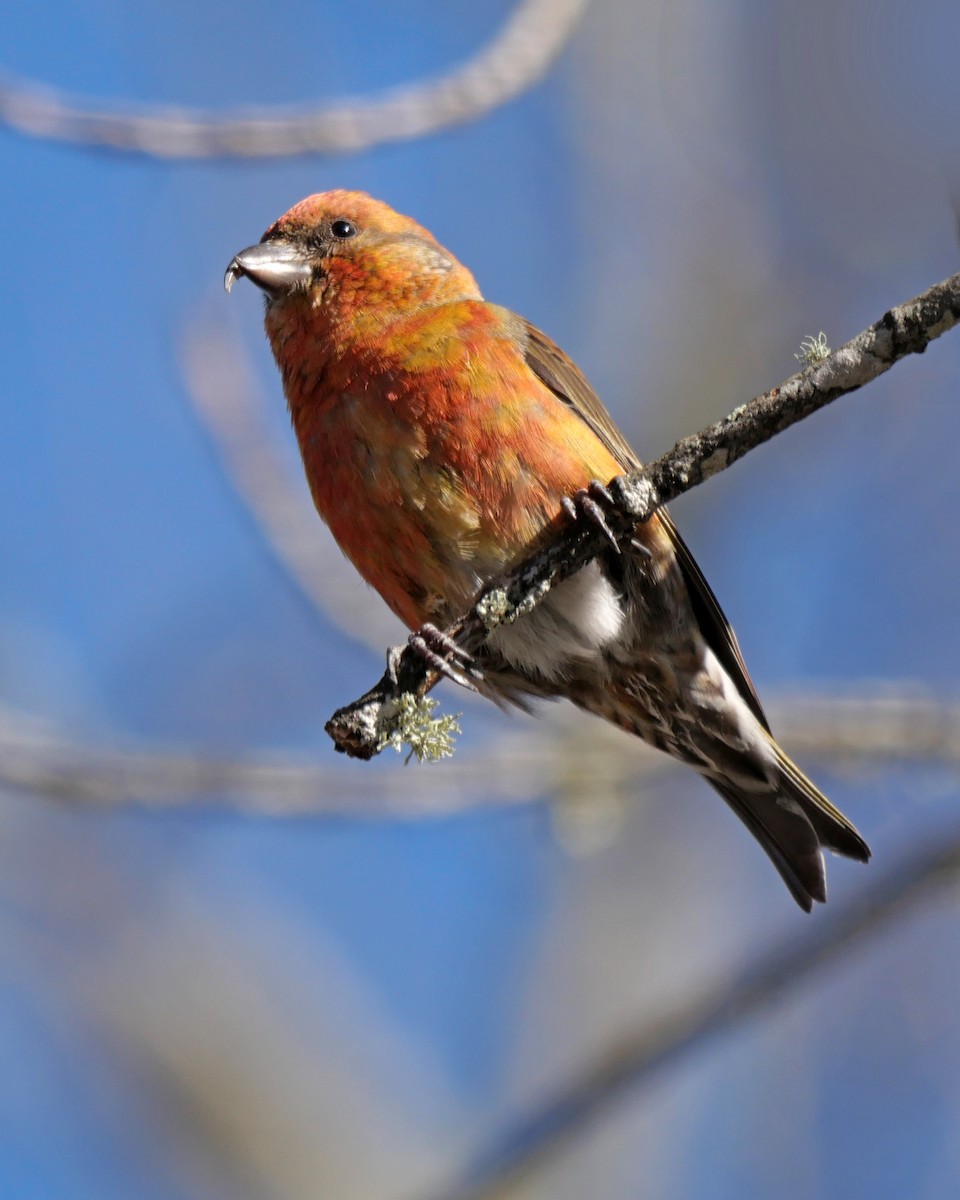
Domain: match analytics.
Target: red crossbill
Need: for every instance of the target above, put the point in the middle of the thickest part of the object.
(441, 436)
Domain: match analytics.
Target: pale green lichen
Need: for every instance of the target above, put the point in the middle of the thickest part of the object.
(494, 608)
(411, 723)
(813, 349)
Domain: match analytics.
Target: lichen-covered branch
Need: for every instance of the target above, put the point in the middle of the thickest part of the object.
(519, 55)
(357, 729)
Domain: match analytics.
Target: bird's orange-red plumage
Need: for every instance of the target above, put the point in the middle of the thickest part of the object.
(428, 477)
(439, 434)
(433, 451)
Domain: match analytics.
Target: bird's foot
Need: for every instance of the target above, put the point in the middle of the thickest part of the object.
(590, 506)
(444, 655)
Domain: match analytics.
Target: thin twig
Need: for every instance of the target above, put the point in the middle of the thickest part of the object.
(637, 1058)
(904, 330)
(513, 61)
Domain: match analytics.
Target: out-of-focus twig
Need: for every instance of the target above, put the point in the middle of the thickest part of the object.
(901, 725)
(892, 724)
(221, 388)
(514, 60)
(907, 329)
(535, 1140)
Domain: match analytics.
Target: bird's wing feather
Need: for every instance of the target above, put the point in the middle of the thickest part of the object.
(565, 379)
(562, 376)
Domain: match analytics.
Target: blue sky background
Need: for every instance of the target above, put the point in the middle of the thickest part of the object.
(201, 1004)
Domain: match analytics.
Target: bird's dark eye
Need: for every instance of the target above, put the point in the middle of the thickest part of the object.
(342, 228)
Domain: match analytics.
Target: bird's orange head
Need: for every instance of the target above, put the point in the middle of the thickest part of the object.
(340, 255)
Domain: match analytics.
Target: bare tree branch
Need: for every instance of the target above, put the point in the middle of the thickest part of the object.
(356, 728)
(639, 1057)
(902, 724)
(513, 61)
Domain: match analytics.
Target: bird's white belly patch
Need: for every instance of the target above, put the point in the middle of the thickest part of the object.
(576, 620)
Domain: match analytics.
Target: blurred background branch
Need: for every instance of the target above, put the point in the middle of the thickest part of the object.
(901, 724)
(514, 60)
(269, 483)
(536, 1138)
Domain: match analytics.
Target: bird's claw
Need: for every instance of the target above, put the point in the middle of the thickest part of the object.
(445, 656)
(587, 505)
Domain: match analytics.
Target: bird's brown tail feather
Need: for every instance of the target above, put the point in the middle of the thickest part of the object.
(792, 825)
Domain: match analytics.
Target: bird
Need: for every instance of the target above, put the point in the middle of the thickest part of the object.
(445, 438)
